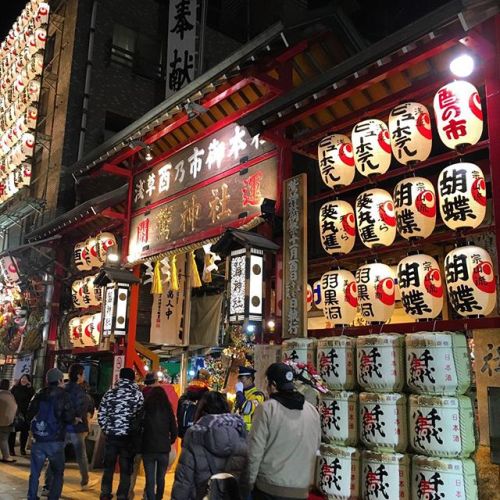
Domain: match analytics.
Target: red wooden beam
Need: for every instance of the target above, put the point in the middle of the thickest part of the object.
(113, 214)
(111, 168)
(476, 42)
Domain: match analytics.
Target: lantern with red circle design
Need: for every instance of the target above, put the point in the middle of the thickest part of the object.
(340, 296)
(375, 218)
(459, 116)
(376, 292)
(75, 332)
(470, 280)
(91, 298)
(421, 285)
(462, 195)
(81, 256)
(77, 294)
(372, 147)
(93, 249)
(410, 132)
(415, 207)
(105, 241)
(337, 227)
(336, 160)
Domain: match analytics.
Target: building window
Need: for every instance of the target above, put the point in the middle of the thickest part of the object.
(113, 123)
(123, 46)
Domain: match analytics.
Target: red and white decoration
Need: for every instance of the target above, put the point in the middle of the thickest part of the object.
(85, 331)
(336, 362)
(470, 280)
(462, 196)
(340, 296)
(372, 147)
(459, 116)
(337, 226)
(336, 160)
(105, 242)
(93, 252)
(410, 132)
(415, 207)
(421, 286)
(375, 218)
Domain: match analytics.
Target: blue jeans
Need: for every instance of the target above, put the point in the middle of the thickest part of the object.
(155, 467)
(54, 452)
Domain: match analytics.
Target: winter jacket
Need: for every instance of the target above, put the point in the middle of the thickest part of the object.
(80, 403)
(8, 408)
(246, 403)
(23, 395)
(282, 446)
(221, 437)
(64, 410)
(121, 409)
(159, 431)
(194, 393)
(169, 391)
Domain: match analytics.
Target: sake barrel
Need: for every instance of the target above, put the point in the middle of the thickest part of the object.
(443, 478)
(442, 426)
(299, 350)
(338, 472)
(385, 476)
(383, 421)
(380, 362)
(336, 362)
(437, 363)
(339, 418)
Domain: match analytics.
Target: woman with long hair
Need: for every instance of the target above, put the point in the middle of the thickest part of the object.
(215, 443)
(159, 434)
(23, 392)
(8, 408)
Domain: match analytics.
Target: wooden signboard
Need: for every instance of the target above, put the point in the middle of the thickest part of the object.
(264, 355)
(295, 257)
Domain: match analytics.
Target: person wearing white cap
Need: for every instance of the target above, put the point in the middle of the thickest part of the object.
(248, 397)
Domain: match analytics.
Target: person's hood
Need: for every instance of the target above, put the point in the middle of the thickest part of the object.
(292, 400)
(126, 383)
(222, 435)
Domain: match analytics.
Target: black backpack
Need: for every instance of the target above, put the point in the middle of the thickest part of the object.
(185, 415)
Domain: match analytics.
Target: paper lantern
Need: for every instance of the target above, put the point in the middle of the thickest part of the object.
(340, 296)
(10, 270)
(372, 147)
(410, 132)
(309, 297)
(77, 294)
(375, 218)
(92, 247)
(376, 296)
(104, 242)
(470, 281)
(337, 227)
(462, 195)
(415, 207)
(89, 292)
(421, 285)
(90, 333)
(75, 332)
(459, 117)
(318, 297)
(81, 256)
(336, 160)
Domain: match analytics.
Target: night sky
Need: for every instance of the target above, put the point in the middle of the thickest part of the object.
(10, 11)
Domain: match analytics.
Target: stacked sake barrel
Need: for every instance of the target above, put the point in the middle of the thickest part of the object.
(441, 416)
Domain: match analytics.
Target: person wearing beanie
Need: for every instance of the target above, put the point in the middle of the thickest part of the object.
(50, 412)
(119, 417)
(283, 442)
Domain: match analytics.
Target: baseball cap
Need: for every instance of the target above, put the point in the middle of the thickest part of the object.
(282, 375)
(54, 375)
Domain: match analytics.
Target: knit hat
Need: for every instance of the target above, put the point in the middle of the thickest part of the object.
(282, 375)
(54, 376)
(128, 374)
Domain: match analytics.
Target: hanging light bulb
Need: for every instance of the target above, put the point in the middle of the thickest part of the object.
(462, 66)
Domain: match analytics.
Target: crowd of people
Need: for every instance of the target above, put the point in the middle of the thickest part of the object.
(261, 449)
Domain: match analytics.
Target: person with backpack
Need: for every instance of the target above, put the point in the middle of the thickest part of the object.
(215, 444)
(50, 411)
(186, 410)
(22, 392)
(159, 432)
(8, 409)
(119, 417)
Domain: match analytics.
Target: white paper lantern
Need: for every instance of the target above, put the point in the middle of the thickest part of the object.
(89, 292)
(92, 247)
(410, 132)
(317, 295)
(421, 285)
(88, 333)
(75, 332)
(372, 147)
(336, 160)
(375, 218)
(459, 116)
(340, 296)
(337, 227)
(415, 207)
(105, 241)
(77, 294)
(81, 256)
(462, 195)
(376, 297)
(470, 281)
(96, 328)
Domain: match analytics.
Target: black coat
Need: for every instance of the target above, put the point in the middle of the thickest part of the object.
(159, 430)
(22, 394)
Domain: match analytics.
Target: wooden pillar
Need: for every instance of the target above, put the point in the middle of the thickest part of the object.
(133, 311)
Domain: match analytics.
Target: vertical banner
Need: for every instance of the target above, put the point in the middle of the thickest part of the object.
(181, 46)
(295, 257)
(23, 366)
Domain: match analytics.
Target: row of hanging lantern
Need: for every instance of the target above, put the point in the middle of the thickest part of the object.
(85, 294)
(85, 331)
(93, 252)
(468, 274)
(412, 210)
(459, 121)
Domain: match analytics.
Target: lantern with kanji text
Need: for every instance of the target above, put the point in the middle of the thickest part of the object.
(340, 296)
(105, 242)
(77, 294)
(459, 117)
(81, 256)
(93, 249)
(470, 281)
(336, 160)
(75, 332)
(375, 218)
(337, 227)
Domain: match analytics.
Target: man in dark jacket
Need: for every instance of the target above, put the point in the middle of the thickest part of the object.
(49, 412)
(119, 417)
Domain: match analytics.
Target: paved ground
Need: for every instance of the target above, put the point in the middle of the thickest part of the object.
(14, 482)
